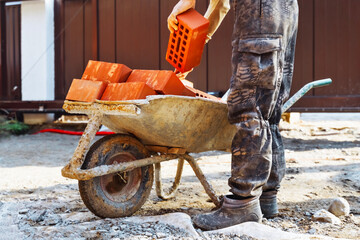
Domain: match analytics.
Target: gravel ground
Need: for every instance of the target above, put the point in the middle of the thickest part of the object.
(37, 202)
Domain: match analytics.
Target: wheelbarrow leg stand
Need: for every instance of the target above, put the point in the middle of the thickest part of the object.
(159, 190)
(198, 172)
(78, 158)
(200, 175)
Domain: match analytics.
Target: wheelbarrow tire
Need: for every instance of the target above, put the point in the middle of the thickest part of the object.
(118, 194)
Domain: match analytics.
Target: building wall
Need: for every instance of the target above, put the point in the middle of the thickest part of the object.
(37, 50)
(135, 33)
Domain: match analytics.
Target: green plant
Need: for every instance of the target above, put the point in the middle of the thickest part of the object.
(13, 127)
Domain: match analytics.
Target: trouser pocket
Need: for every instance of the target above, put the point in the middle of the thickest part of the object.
(258, 61)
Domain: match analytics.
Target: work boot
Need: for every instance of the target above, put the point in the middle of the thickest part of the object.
(233, 211)
(268, 204)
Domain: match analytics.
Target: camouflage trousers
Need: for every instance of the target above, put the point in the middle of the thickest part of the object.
(263, 46)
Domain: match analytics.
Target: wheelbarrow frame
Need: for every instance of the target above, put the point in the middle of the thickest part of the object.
(97, 113)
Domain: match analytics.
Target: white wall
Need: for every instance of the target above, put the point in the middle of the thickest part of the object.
(37, 50)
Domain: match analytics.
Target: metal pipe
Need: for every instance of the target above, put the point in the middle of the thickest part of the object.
(171, 193)
(303, 91)
(86, 174)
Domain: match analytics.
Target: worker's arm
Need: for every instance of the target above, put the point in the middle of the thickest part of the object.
(216, 13)
(180, 7)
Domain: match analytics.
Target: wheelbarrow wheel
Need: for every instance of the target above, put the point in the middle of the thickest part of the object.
(118, 194)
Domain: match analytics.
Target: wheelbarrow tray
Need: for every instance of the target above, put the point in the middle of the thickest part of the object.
(194, 124)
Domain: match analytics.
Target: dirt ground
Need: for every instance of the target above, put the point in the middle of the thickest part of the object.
(322, 164)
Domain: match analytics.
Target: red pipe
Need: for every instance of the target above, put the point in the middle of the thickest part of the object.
(100, 133)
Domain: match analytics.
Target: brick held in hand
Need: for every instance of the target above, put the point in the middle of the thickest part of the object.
(127, 91)
(85, 91)
(186, 45)
(162, 81)
(104, 71)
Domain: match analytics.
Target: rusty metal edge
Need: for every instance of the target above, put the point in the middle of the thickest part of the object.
(79, 107)
(112, 108)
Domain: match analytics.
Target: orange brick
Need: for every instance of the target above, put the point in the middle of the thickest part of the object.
(127, 91)
(164, 82)
(91, 70)
(104, 71)
(199, 93)
(188, 92)
(187, 83)
(186, 45)
(85, 91)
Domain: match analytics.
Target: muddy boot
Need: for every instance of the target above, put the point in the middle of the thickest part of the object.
(268, 204)
(233, 211)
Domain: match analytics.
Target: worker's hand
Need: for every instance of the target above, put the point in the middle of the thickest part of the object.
(181, 75)
(180, 7)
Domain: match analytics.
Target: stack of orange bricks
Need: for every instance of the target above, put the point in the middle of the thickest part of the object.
(117, 82)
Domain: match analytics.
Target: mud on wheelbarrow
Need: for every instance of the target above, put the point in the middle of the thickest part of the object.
(116, 173)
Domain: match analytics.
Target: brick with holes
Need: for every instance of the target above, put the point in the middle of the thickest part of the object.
(186, 45)
(105, 71)
(162, 81)
(127, 91)
(197, 93)
(85, 90)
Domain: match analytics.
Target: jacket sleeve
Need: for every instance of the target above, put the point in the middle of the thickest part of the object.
(215, 13)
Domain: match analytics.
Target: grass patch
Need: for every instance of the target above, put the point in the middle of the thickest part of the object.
(12, 127)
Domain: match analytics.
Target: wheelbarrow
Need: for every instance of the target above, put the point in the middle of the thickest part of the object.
(116, 172)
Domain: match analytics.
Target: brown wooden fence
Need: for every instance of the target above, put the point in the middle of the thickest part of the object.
(10, 77)
(328, 46)
(135, 33)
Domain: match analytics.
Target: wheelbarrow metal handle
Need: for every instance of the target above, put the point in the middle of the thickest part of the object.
(303, 91)
(297, 95)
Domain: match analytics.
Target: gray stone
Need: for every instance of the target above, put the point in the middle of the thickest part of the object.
(23, 211)
(325, 216)
(122, 226)
(90, 234)
(340, 207)
(115, 228)
(160, 235)
(38, 216)
(178, 220)
(288, 225)
(149, 234)
(145, 225)
(53, 220)
(260, 231)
